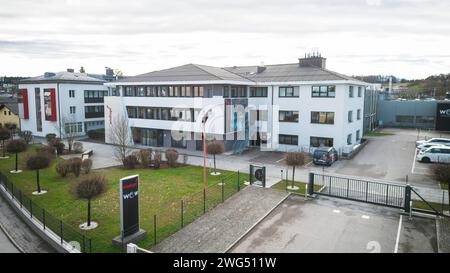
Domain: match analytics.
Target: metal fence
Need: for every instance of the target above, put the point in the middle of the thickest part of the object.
(360, 190)
(66, 234)
(174, 215)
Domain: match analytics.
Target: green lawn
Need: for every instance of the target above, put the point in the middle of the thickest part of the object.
(161, 192)
(302, 186)
(444, 186)
(423, 205)
(377, 134)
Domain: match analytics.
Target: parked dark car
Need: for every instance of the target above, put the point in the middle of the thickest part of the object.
(325, 156)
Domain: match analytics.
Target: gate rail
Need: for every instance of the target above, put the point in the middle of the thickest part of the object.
(390, 195)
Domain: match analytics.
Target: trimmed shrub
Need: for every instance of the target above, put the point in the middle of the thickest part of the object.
(144, 157)
(215, 148)
(58, 145)
(49, 150)
(50, 137)
(86, 165)
(37, 162)
(98, 134)
(130, 162)
(5, 134)
(78, 147)
(16, 146)
(157, 159)
(75, 165)
(172, 157)
(63, 168)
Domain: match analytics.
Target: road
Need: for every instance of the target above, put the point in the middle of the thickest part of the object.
(6, 246)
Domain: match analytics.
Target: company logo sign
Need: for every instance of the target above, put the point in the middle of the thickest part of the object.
(129, 205)
(445, 113)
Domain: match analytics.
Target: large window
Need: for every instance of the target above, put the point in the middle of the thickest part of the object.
(94, 96)
(360, 91)
(349, 139)
(73, 127)
(288, 116)
(321, 142)
(37, 102)
(47, 104)
(288, 91)
(358, 135)
(358, 114)
(322, 117)
(161, 113)
(258, 91)
(350, 116)
(288, 139)
(425, 120)
(351, 93)
(94, 111)
(324, 91)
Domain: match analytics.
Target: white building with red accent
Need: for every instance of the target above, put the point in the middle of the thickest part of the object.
(66, 101)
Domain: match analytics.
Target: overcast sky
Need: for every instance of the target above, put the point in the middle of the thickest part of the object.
(407, 38)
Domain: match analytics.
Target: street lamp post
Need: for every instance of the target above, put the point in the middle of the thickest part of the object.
(204, 160)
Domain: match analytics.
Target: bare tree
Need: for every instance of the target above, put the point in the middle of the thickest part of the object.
(68, 130)
(120, 137)
(294, 159)
(215, 148)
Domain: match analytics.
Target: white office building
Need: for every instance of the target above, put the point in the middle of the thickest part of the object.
(288, 107)
(67, 101)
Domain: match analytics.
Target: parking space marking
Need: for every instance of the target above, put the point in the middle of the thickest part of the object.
(367, 217)
(397, 241)
(336, 211)
(414, 161)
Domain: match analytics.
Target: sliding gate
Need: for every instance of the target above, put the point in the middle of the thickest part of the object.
(390, 195)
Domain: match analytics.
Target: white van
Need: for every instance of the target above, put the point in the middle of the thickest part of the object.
(440, 154)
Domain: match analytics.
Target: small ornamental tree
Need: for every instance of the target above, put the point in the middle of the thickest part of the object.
(16, 146)
(89, 188)
(294, 159)
(441, 173)
(37, 162)
(215, 148)
(5, 134)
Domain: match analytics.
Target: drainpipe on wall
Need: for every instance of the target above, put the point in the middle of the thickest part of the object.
(59, 111)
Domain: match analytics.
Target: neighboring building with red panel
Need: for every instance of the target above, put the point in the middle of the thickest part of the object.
(61, 102)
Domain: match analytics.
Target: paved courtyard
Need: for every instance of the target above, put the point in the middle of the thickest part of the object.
(334, 225)
(218, 229)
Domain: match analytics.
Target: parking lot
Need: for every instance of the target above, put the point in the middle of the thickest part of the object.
(335, 225)
(390, 157)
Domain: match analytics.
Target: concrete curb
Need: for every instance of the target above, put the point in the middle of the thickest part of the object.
(16, 245)
(257, 222)
(438, 235)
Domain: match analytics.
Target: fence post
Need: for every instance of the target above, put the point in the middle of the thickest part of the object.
(31, 209)
(407, 198)
(250, 178)
(20, 197)
(61, 231)
(154, 230)
(348, 186)
(238, 181)
(204, 201)
(43, 217)
(443, 201)
(310, 184)
(223, 189)
(182, 209)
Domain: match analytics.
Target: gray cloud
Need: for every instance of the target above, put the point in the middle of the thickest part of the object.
(130, 33)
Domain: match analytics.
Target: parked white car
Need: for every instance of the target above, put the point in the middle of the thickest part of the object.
(423, 147)
(436, 140)
(439, 154)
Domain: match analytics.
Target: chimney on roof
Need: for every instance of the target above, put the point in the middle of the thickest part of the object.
(70, 70)
(260, 68)
(313, 59)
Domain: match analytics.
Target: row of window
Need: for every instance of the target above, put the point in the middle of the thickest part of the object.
(94, 96)
(325, 91)
(313, 141)
(316, 117)
(164, 91)
(162, 113)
